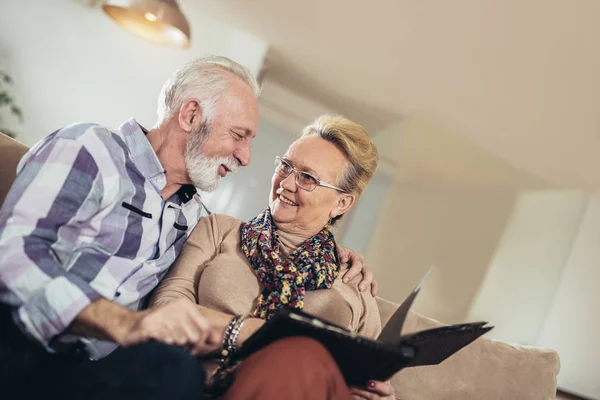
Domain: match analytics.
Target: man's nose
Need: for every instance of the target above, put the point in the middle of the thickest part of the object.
(242, 153)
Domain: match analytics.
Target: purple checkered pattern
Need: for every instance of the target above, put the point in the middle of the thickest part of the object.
(85, 219)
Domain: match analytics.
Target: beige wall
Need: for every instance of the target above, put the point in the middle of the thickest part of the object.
(415, 150)
(523, 275)
(449, 206)
(455, 228)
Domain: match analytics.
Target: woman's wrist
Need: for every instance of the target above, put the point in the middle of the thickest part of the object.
(232, 332)
(250, 326)
(230, 340)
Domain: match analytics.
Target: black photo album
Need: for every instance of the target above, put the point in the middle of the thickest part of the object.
(360, 358)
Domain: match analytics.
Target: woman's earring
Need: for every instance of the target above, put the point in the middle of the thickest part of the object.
(329, 223)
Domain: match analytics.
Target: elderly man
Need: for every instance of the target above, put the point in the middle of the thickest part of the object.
(92, 223)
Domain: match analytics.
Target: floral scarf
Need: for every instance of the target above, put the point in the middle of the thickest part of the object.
(311, 266)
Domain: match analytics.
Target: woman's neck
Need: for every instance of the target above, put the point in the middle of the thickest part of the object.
(292, 229)
(292, 239)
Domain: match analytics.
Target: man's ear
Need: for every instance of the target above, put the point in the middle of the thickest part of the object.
(190, 115)
(345, 201)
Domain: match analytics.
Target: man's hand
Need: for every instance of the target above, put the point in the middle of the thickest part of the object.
(357, 266)
(375, 390)
(179, 322)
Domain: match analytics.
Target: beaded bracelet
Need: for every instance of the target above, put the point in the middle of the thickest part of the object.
(232, 332)
(232, 344)
(226, 335)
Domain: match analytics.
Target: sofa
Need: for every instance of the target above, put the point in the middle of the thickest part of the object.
(486, 369)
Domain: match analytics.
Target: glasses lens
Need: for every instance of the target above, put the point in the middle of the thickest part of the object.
(306, 181)
(282, 168)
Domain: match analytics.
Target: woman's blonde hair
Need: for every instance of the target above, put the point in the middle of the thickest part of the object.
(355, 143)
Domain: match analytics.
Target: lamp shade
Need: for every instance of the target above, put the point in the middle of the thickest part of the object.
(160, 21)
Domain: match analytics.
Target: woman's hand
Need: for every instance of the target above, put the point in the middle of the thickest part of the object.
(374, 390)
(357, 266)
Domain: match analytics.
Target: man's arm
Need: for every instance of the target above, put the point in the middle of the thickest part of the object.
(179, 323)
(57, 183)
(61, 181)
(104, 320)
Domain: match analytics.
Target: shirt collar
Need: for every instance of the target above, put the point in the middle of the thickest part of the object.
(147, 161)
(142, 153)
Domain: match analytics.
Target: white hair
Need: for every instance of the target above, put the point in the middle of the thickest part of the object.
(205, 79)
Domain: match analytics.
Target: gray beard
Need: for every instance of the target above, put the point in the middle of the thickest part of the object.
(204, 171)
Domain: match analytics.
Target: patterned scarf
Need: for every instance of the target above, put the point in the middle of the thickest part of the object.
(311, 266)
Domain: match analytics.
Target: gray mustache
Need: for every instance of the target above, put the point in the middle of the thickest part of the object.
(232, 164)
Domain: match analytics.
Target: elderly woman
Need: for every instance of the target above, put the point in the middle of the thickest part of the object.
(241, 273)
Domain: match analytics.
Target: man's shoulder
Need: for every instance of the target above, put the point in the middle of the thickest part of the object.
(88, 134)
(99, 141)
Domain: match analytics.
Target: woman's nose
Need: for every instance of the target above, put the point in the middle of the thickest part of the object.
(289, 183)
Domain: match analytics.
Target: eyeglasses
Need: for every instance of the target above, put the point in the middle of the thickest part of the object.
(303, 179)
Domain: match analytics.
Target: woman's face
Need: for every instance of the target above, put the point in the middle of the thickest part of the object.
(299, 211)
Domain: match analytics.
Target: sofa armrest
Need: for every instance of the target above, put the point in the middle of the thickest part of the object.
(11, 152)
(486, 369)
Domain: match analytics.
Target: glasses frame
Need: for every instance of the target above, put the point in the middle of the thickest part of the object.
(279, 161)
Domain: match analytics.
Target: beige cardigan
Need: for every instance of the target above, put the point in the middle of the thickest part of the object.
(213, 272)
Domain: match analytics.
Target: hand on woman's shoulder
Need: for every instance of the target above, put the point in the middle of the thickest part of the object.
(353, 284)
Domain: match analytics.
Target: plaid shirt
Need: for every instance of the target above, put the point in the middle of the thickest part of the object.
(85, 219)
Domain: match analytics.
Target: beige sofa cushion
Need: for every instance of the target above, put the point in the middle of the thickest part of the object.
(486, 369)
(11, 152)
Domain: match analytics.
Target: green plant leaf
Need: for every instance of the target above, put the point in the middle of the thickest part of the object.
(5, 98)
(17, 112)
(6, 78)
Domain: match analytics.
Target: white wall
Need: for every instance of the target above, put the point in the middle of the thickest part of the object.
(448, 206)
(356, 229)
(572, 326)
(523, 275)
(72, 63)
(455, 228)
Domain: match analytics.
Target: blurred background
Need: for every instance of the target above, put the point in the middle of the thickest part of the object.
(486, 114)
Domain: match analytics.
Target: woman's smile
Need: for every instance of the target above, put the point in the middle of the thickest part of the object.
(287, 201)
